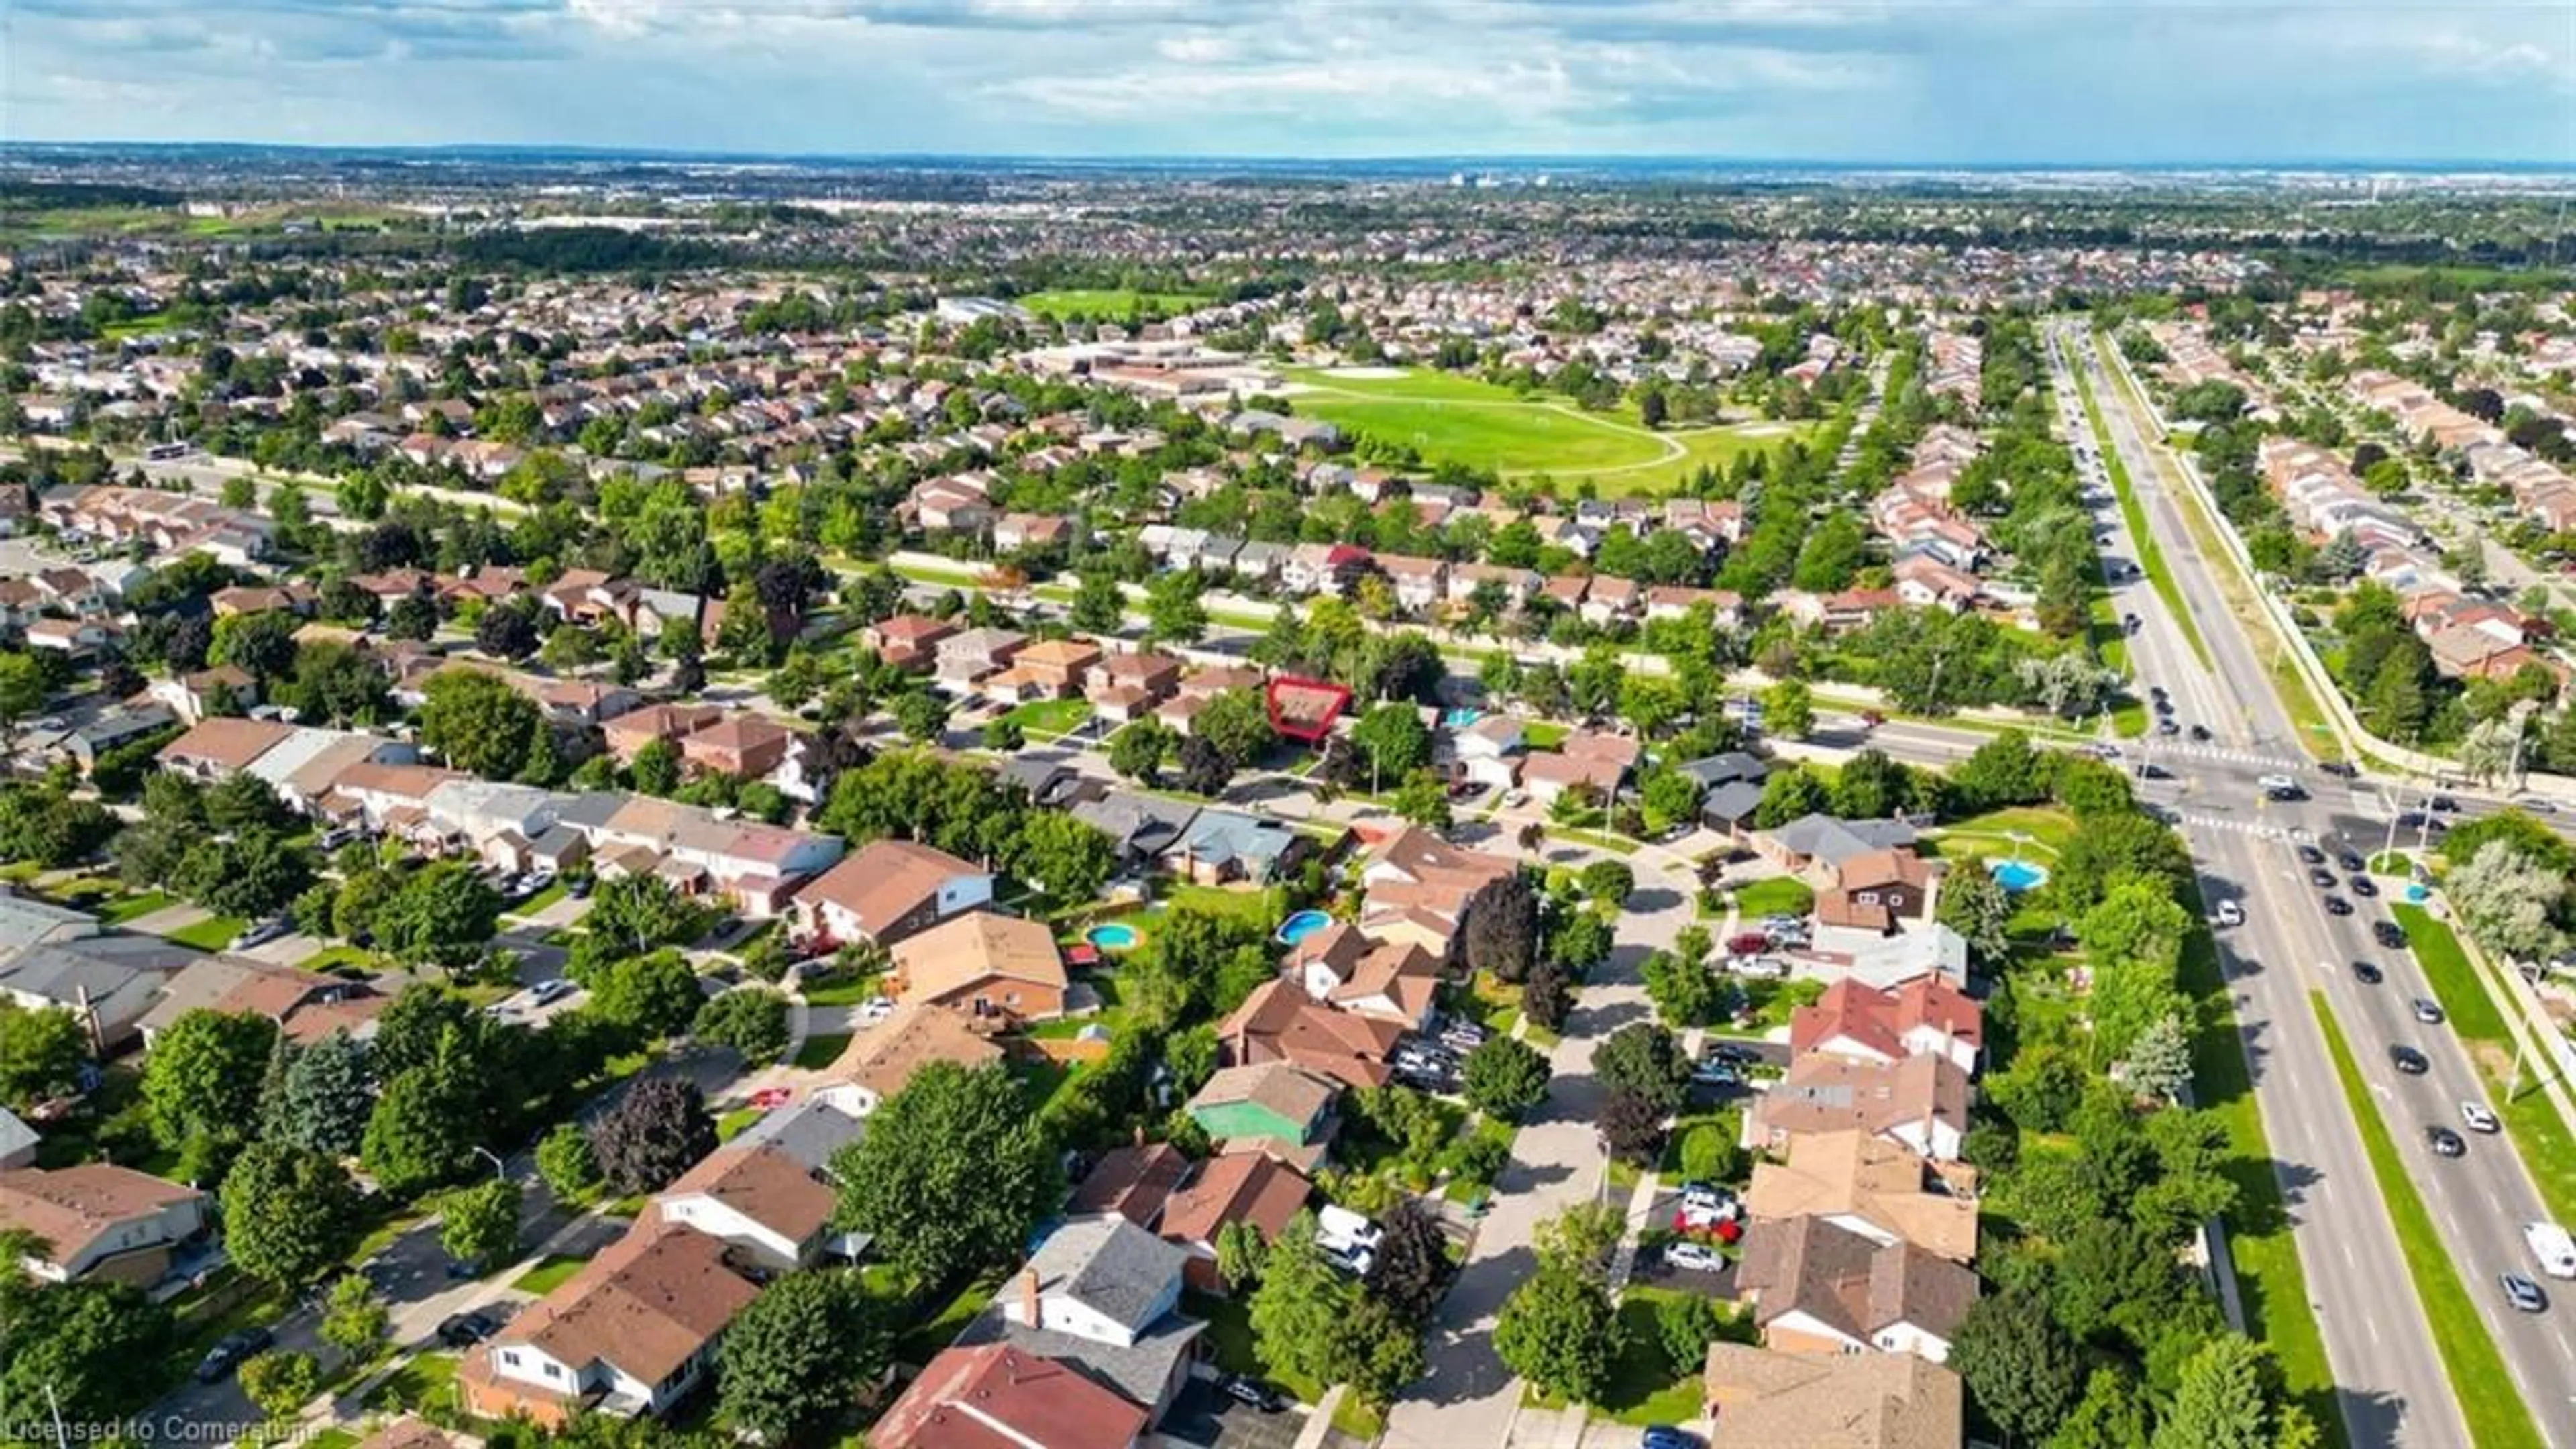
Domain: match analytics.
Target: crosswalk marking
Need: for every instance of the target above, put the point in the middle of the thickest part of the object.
(2254, 828)
(2226, 755)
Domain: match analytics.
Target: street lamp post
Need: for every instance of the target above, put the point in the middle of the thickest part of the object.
(500, 1169)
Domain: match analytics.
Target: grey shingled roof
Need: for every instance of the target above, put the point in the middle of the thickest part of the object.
(1834, 840)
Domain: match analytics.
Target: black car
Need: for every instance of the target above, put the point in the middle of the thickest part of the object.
(2363, 885)
(2412, 819)
(2163, 705)
(2350, 860)
(2310, 855)
(2444, 804)
(2366, 973)
(2167, 727)
(2150, 770)
(2445, 1142)
(230, 1350)
(464, 1330)
(2408, 1060)
(1727, 1051)
(2341, 769)
(1253, 1392)
(2322, 878)
(2338, 906)
(2387, 934)
(2200, 734)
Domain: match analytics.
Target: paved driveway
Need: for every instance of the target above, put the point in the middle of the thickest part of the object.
(1203, 1417)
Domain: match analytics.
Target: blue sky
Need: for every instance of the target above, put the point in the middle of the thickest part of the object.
(1853, 80)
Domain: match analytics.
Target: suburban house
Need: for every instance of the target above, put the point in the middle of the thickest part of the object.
(1821, 1289)
(1273, 1107)
(1143, 828)
(1222, 847)
(1927, 1014)
(1587, 760)
(18, 1141)
(1731, 790)
(907, 641)
(1101, 1296)
(1919, 1102)
(217, 748)
(1412, 872)
(1055, 667)
(630, 1334)
(884, 1059)
(1128, 686)
(1761, 1399)
(1488, 751)
(107, 982)
(306, 1005)
(889, 890)
(98, 1220)
(1880, 891)
(1279, 1022)
(993, 966)
(1815, 846)
(1134, 1182)
(969, 658)
(1240, 1187)
(764, 1201)
(1395, 980)
(1869, 1185)
(627, 734)
(994, 1396)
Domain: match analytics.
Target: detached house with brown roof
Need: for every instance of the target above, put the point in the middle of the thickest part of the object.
(907, 641)
(1393, 980)
(1278, 1022)
(1761, 1399)
(1818, 1288)
(888, 890)
(1000, 969)
(1872, 1187)
(1241, 1187)
(98, 1220)
(771, 1207)
(994, 1396)
(630, 1334)
(1412, 873)
(1880, 891)
(1920, 1103)
(1927, 1014)
(884, 1059)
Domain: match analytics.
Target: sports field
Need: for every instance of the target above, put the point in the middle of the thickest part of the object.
(1445, 417)
(1102, 304)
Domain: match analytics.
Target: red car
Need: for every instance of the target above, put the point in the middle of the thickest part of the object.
(768, 1098)
(1751, 943)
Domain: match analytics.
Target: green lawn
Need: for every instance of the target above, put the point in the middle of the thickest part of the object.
(923, 1341)
(1447, 417)
(2044, 831)
(1781, 895)
(2530, 1119)
(1544, 734)
(427, 1380)
(1230, 1338)
(846, 991)
(821, 1051)
(2270, 1281)
(1646, 1387)
(118, 912)
(540, 900)
(1111, 304)
(330, 956)
(213, 933)
(1044, 719)
(548, 1275)
(1255, 906)
(2495, 1414)
(731, 1125)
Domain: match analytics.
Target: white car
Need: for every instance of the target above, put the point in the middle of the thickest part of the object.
(547, 993)
(2230, 914)
(2479, 1118)
(876, 1008)
(1698, 1257)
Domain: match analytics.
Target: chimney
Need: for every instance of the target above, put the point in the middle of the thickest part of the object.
(1029, 1297)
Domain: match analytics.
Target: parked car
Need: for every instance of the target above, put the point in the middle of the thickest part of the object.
(1750, 943)
(547, 993)
(230, 1350)
(2230, 914)
(464, 1330)
(259, 935)
(2367, 974)
(1697, 1257)
(2351, 861)
(2445, 1142)
(1708, 1197)
(876, 1008)
(2479, 1118)
(1253, 1392)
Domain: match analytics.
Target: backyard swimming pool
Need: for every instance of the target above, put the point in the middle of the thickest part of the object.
(2017, 876)
(1114, 937)
(1301, 925)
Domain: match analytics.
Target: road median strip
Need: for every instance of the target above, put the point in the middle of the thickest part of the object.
(2151, 556)
(2495, 1414)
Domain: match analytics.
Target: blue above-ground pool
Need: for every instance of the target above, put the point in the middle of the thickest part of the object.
(1115, 937)
(1301, 925)
(2017, 876)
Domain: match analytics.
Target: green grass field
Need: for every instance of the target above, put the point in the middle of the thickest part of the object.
(548, 1275)
(821, 1051)
(1104, 304)
(1781, 895)
(1448, 418)
(213, 933)
(2495, 1414)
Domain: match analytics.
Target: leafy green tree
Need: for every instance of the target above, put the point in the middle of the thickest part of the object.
(1789, 710)
(652, 997)
(2003, 771)
(655, 769)
(424, 1128)
(41, 1051)
(798, 1355)
(2113, 1414)
(442, 915)
(244, 801)
(1067, 858)
(1559, 1331)
(93, 1351)
(953, 1172)
(1411, 1269)
(2137, 922)
(1311, 1320)
(1788, 795)
(566, 1163)
(1580, 1239)
(2229, 1397)
(751, 1020)
(2158, 1063)
(1647, 1061)
(280, 1382)
(1138, 751)
(1608, 882)
(290, 1215)
(922, 716)
(1393, 739)
(479, 1225)
(250, 874)
(638, 913)
(329, 1089)
(1976, 905)
(1240, 1253)
(23, 690)
(1423, 799)
(202, 1077)
(354, 1319)
(479, 723)
(1099, 605)
(1238, 724)
(2022, 1371)
(1505, 1077)
(1173, 610)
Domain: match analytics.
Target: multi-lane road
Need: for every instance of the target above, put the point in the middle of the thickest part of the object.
(2387, 1369)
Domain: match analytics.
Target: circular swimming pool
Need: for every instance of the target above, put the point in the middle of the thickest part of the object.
(1301, 925)
(1114, 937)
(2017, 876)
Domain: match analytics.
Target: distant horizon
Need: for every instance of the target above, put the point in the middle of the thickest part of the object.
(1934, 84)
(1421, 159)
